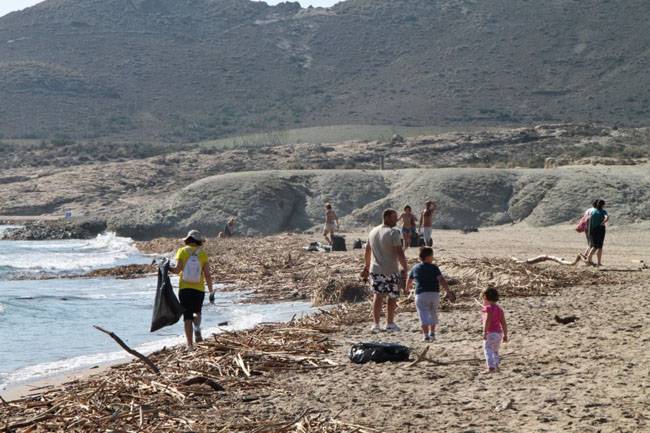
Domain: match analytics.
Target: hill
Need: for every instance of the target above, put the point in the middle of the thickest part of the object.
(268, 202)
(186, 70)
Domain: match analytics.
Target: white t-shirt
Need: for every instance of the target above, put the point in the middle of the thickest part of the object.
(383, 240)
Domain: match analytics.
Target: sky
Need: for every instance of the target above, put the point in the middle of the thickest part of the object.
(7, 6)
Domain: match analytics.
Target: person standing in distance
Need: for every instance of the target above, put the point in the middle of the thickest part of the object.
(426, 222)
(331, 224)
(193, 267)
(596, 229)
(383, 256)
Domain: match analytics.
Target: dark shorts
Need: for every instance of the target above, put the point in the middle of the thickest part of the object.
(410, 230)
(597, 237)
(386, 284)
(192, 301)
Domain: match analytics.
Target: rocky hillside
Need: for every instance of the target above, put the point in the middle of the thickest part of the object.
(479, 178)
(272, 201)
(183, 70)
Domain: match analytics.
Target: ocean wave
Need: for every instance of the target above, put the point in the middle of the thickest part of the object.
(111, 242)
(68, 257)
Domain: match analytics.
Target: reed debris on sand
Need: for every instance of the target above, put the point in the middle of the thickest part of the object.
(227, 368)
(273, 268)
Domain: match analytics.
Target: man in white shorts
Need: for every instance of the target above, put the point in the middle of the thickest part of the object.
(331, 223)
(384, 254)
(426, 222)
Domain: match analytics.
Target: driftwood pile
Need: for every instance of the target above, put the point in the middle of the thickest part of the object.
(273, 268)
(277, 268)
(467, 277)
(337, 291)
(196, 391)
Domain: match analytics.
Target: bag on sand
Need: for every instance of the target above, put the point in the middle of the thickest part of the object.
(582, 224)
(417, 240)
(166, 308)
(361, 353)
(338, 243)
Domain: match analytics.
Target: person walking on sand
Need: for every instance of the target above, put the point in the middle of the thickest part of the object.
(193, 267)
(495, 329)
(596, 231)
(428, 279)
(587, 216)
(408, 225)
(383, 256)
(426, 222)
(331, 223)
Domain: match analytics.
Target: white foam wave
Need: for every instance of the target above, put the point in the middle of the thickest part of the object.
(106, 250)
(111, 242)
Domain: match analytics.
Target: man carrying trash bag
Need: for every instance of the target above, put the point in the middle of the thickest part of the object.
(193, 267)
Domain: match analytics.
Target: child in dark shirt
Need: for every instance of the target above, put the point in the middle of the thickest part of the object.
(428, 279)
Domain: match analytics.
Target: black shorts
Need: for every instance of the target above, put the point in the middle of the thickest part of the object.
(597, 237)
(192, 301)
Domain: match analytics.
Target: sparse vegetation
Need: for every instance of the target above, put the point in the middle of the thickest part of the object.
(187, 75)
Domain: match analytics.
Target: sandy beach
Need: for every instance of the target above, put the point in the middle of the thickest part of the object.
(588, 376)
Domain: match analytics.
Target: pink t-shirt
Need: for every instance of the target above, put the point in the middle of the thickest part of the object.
(495, 319)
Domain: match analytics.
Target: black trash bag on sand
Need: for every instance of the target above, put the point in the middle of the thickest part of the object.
(361, 353)
(166, 308)
(338, 243)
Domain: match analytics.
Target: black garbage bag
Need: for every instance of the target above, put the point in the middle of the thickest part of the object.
(166, 308)
(361, 353)
(417, 240)
(338, 243)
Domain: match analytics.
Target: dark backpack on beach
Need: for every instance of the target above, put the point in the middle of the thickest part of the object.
(166, 308)
(417, 240)
(338, 243)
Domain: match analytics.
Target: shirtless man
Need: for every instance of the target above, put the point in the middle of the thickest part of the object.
(426, 222)
(408, 226)
(331, 223)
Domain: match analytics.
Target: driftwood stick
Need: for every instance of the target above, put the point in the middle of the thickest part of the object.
(421, 357)
(38, 418)
(202, 380)
(124, 346)
(282, 426)
(544, 258)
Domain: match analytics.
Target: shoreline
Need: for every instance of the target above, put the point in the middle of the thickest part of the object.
(28, 387)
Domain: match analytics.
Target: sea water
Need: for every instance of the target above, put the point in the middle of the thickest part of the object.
(46, 325)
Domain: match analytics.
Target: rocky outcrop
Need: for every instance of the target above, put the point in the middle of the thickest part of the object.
(54, 230)
(273, 201)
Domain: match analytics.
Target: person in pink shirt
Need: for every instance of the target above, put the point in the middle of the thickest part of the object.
(495, 329)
